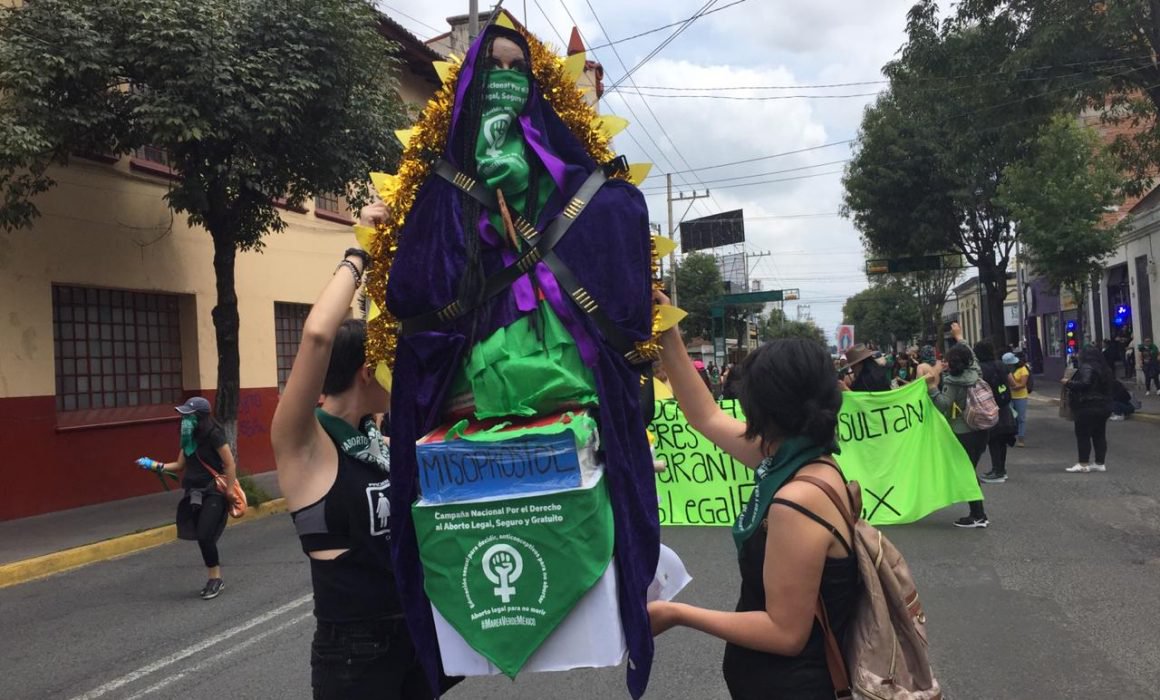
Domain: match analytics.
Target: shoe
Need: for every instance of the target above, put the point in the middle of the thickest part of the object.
(993, 478)
(1020, 443)
(1116, 417)
(1098, 468)
(1078, 468)
(213, 588)
(972, 521)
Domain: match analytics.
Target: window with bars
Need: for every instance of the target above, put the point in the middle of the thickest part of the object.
(327, 203)
(289, 319)
(331, 207)
(153, 154)
(115, 348)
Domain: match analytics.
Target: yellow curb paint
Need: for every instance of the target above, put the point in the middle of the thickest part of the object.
(18, 572)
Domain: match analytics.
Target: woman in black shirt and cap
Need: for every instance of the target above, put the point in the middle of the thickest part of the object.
(202, 512)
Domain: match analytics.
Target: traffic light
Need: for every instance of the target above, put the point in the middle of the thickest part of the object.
(1072, 339)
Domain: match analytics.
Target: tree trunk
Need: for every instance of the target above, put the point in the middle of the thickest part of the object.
(993, 285)
(225, 324)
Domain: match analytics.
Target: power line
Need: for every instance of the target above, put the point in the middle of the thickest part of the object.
(660, 47)
(648, 107)
(548, 19)
(416, 21)
(775, 172)
(664, 27)
(757, 98)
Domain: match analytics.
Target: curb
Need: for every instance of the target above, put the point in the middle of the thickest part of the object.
(26, 570)
(1137, 416)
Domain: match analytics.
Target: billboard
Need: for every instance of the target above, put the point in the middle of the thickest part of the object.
(726, 228)
(733, 272)
(845, 337)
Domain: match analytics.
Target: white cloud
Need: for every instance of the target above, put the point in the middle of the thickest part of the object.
(758, 42)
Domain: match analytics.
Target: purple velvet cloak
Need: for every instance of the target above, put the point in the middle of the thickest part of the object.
(608, 250)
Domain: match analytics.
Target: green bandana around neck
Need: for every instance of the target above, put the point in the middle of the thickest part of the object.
(188, 443)
(364, 444)
(774, 471)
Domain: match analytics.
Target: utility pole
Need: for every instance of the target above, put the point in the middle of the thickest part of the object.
(691, 199)
(472, 20)
(1019, 294)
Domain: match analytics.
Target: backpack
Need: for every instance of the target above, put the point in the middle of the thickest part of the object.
(981, 411)
(1030, 381)
(996, 375)
(885, 655)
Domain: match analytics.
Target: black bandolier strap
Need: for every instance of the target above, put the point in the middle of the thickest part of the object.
(540, 250)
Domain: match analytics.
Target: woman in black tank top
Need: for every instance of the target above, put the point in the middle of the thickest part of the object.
(792, 543)
(334, 471)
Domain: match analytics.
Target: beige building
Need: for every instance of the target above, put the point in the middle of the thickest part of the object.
(106, 308)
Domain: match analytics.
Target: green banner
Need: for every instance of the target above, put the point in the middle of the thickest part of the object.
(895, 444)
(505, 573)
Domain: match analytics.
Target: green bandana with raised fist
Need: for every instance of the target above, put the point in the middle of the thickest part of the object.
(364, 444)
(505, 573)
(500, 151)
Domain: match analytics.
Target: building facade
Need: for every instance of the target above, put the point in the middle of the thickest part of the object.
(106, 303)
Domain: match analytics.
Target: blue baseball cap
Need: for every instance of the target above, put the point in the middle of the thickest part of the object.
(1010, 359)
(197, 404)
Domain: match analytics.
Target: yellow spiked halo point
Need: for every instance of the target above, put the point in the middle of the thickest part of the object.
(503, 20)
(664, 245)
(669, 316)
(385, 185)
(574, 65)
(383, 375)
(638, 172)
(443, 70)
(610, 124)
(405, 136)
(365, 235)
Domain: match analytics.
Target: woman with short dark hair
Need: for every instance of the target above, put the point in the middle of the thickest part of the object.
(1089, 392)
(203, 510)
(334, 470)
(792, 542)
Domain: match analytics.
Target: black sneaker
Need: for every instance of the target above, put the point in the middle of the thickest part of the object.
(213, 588)
(972, 521)
(993, 478)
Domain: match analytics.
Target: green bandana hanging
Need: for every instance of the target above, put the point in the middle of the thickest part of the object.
(505, 573)
(793, 454)
(188, 425)
(365, 444)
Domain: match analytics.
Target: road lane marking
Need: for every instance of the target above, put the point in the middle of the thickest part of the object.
(193, 649)
(216, 658)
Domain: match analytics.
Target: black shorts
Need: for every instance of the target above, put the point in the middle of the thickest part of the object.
(365, 661)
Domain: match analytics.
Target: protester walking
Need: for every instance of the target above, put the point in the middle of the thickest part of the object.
(1002, 436)
(866, 374)
(203, 510)
(1090, 395)
(950, 382)
(1020, 392)
(334, 470)
(1152, 371)
(793, 543)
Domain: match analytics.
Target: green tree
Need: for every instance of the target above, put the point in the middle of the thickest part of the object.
(251, 99)
(932, 151)
(1059, 197)
(698, 286)
(776, 325)
(884, 314)
(1104, 52)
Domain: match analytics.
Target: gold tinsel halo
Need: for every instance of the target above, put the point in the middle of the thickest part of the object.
(425, 144)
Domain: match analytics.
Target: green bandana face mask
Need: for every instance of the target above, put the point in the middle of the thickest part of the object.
(364, 444)
(500, 149)
(188, 425)
(774, 471)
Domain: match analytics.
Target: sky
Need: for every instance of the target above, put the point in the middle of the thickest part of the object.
(752, 43)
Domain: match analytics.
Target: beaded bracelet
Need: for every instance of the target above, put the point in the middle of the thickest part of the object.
(353, 271)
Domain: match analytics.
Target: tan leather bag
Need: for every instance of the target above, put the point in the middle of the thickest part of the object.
(885, 653)
(235, 496)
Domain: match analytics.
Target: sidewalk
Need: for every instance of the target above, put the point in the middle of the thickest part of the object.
(46, 544)
(1048, 390)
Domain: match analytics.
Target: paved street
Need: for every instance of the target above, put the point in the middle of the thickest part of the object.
(1056, 600)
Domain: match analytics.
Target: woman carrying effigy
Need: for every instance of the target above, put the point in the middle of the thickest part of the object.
(514, 284)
